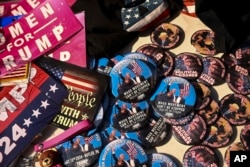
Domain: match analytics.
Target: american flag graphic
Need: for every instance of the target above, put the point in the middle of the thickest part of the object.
(90, 138)
(20, 74)
(189, 7)
(184, 89)
(17, 73)
(135, 67)
(80, 83)
(130, 148)
(134, 18)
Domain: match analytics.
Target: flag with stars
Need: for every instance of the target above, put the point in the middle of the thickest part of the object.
(140, 17)
(25, 111)
(86, 90)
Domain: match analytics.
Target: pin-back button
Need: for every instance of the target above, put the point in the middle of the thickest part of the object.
(174, 97)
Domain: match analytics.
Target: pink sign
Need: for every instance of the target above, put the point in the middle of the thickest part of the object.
(34, 34)
(5, 7)
(26, 6)
(74, 50)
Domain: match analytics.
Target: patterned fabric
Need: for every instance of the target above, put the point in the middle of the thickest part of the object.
(136, 18)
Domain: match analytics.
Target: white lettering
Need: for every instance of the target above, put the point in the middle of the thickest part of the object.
(43, 43)
(57, 32)
(16, 30)
(47, 10)
(31, 20)
(65, 56)
(9, 62)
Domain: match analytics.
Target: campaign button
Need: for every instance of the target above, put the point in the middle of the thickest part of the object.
(123, 152)
(174, 97)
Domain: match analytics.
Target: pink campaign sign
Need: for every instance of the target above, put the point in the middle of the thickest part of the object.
(36, 33)
(74, 50)
(26, 6)
(5, 7)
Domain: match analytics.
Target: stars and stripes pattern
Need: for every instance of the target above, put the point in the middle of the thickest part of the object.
(135, 67)
(130, 148)
(80, 83)
(185, 89)
(150, 8)
(189, 8)
(16, 76)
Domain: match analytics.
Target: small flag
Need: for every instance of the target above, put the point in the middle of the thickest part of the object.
(130, 148)
(135, 67)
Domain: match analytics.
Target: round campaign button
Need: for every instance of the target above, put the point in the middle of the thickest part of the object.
(174, 97)
(161, 160)
(80, 150)
(192, 133)
(167, 35)
(180, 121)
(203, 94)
(229, 60)
(220, 134)
(243, 56)
(129, 116)
(200, 155)
(123, 152)
(237, 146)
(245, 136)
(214, 71)
(167, 66)
(148, 60)
(238, 79)
(110, 134)
(132, 80)
(203, 42)
(153, 51)
(154, 133)
(188, 65)
(210, 113)
(141, 56)
(234, 108)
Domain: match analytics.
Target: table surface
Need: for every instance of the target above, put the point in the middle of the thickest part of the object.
(189, 24)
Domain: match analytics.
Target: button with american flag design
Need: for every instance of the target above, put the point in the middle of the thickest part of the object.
(174, 97)
(132, 80)
(123, 152)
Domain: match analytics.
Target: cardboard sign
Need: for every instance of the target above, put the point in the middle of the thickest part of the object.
(45, 27)
(26, 109)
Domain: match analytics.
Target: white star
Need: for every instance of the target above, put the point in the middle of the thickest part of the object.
(36, 113)
(53, 88)
(129, 10)
(44, 104)
(128, 16)
(126, 22)
(27, 122)
(136, 15)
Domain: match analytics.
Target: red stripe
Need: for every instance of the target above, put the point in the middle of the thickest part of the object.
(84, 84)
(79, 79)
